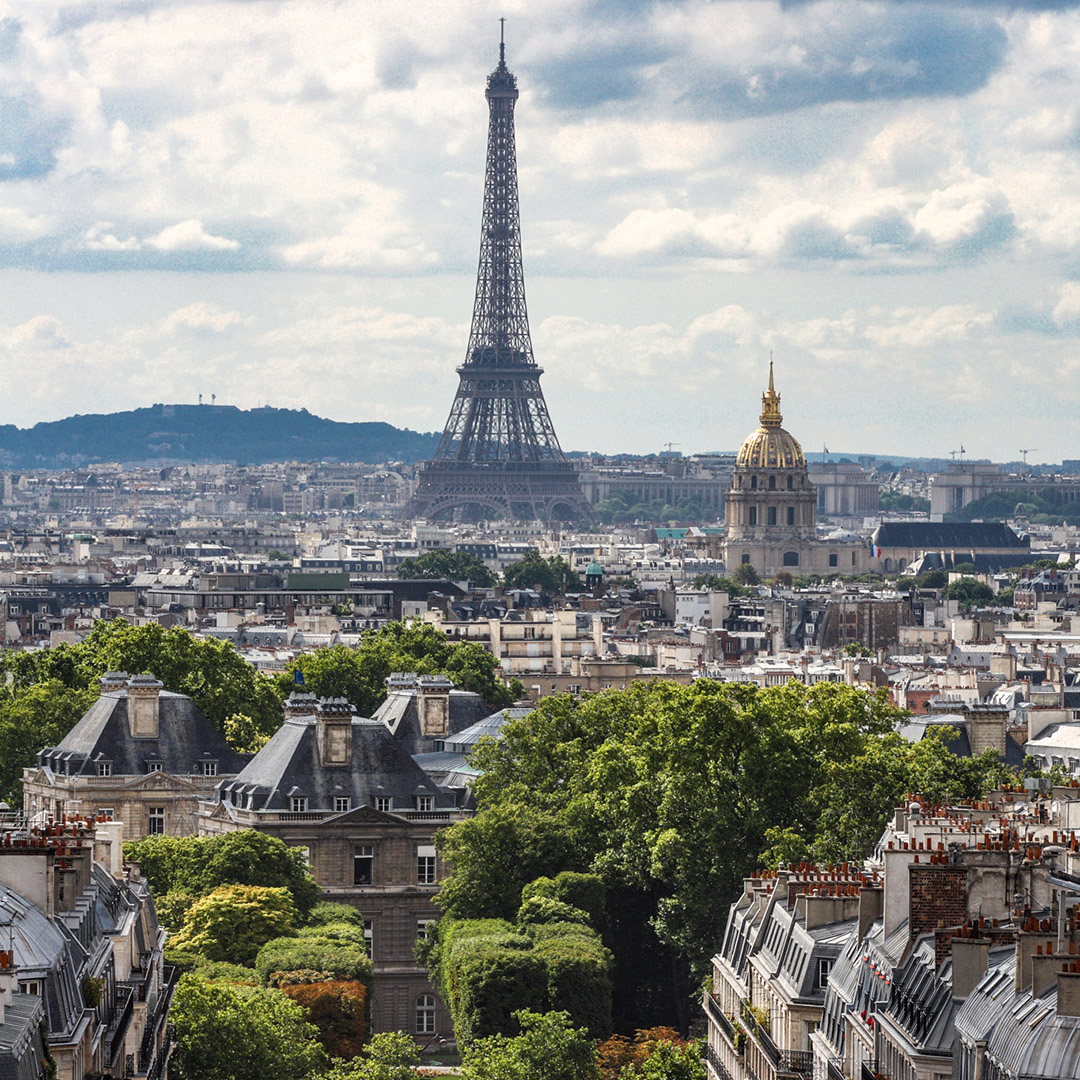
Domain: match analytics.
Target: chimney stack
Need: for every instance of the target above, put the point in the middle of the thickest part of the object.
(333, 731)
(143, 705)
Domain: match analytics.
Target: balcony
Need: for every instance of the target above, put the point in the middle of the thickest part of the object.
(870, 1071)
(716, 1016)
(784, 1062)
(716, 1065)
(117, 1033)
(835, 1072)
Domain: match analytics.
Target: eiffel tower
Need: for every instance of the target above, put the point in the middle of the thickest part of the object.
(498, 455)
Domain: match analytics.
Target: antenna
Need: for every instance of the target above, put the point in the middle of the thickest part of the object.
(502, 39)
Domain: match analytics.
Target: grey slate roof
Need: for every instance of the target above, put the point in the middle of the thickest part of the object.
(184, 737)
(400, 714)
(21, 1049)
(288, 766)
(939, 535)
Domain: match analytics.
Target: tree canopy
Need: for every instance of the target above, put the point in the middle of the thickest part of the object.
(672, 794)
(550, 575)
(360, 674)
(549, 1046)
(449, 565)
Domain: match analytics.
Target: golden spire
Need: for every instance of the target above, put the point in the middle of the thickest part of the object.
(770, 402)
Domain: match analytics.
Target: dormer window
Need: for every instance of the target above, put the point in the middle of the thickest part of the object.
(341, 804)
(425, 803)
(104, 768)
(382, 804)
(824, 966)
(153, 766)
(298, 803)
(208, 768)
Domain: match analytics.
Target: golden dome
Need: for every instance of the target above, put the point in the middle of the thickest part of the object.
(770, 447)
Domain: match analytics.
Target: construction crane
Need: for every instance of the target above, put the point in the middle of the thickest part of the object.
(669, 445)
(1029, 450)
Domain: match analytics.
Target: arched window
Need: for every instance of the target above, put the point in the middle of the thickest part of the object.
(888, 565)
(772, 483)
(772, 515)
(746, 558)
(791, 558)
(425, 1014)
(790, 483)
(753, 483)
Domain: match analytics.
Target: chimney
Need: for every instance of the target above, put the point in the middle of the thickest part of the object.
(143, 703)
(297, 704)
(333, 731)
(9, 981)
(433, 704)
(109, 847)
(970, 958)
(871, 905)
(895, 903)
(1068, 995)
(1027, 946)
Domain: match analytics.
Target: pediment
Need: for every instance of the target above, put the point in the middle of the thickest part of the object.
(364, 815)
(159, 781)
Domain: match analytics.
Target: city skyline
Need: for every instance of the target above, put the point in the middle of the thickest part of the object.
(278, 202)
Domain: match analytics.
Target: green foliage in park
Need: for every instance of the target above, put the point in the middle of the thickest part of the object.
(546, 909)
(346, 960)
(390, 1055)
(582, 891)
(550, 575)
(671, 795)
(1047, 504)
(32, 717)
(448, 565)
(360, 674)
(233, 922)
(547, 1046)
(717, 583)
(193, 866)
(744, 574)
(226, 1032)
(970, 592)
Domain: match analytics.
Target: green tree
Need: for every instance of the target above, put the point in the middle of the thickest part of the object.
(390, 1055)
(716, 583)
(31, 718)
(233, 922)
(550, 575)
(196, 865)
(360, 674)
(970, 591)
(449, 565)
(228, 1032)
(745, 574)
(548, 1046)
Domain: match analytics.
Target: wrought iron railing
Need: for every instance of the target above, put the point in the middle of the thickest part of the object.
(870, 1070)
(796, 1061)
(760, 1035)
(717, 1066)
(121, 1019)
(716, 1014)
(834, 1070)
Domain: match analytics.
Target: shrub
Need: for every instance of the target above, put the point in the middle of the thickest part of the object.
(327, 912)
(545, 909)
(336, 931)
(233, 922)
(338, 1009)
(583, 891)
(578, 970)
(344, 959)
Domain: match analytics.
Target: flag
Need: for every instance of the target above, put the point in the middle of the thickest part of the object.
(875, 551)
(297, 677)
(824, 448)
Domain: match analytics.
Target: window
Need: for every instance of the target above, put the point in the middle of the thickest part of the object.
(425, 866)
(772, 515)
(425, 1014)
(772, 483)
(155, 820)
(30, 986)
(341, 804)
(423, 929)
(823, 968)
(153, 766)
(105, 812)
(834, 559)
(369, 937)
(382, 804)
(104, 768)
(753, 483)
(364, 865)
(209, 768)
(426, 803)
(753, 515)
(298, 803)
(791, 515)
(791, 558)
(746, 558)
(790, 483)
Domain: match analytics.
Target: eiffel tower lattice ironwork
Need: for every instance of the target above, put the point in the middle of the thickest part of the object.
(498, 455)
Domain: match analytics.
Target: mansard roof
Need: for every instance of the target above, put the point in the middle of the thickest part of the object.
(947, 535)
(104, 734)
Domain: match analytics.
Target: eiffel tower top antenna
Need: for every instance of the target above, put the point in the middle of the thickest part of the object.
(502, 40)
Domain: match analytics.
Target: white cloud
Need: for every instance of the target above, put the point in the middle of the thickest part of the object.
(203, 317)
(190, 236)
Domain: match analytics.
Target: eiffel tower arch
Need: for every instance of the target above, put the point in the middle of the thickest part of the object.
(499, 455)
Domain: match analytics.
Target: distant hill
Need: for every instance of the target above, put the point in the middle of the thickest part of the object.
(207, 433)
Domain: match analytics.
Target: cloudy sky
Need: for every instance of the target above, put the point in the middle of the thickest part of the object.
(279, 201)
